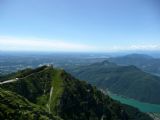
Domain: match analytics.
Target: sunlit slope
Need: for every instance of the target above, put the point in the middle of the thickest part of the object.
(15, 107)
(62, 95)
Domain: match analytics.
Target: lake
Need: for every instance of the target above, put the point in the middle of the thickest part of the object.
(144, 107)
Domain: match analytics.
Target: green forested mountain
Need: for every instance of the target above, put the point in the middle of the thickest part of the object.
(57, 93)
(16, 107)
(128, 81)
(144, 62)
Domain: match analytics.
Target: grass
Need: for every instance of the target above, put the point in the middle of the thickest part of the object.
(57, 91)
(16, 107)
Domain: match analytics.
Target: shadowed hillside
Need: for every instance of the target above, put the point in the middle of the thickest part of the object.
(128, 81)
(62, 95)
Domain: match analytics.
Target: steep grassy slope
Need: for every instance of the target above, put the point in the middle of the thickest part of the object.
(124, 80)
(62, 95)
(15, 107)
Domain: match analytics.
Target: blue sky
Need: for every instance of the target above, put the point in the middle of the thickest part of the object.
(79, 25)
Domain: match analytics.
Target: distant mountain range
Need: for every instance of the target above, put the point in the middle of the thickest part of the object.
(128, 81)
(46, 92)
(142, 61)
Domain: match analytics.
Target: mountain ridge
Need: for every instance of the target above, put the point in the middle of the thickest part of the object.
(69, 98)
(128, 81)
(144, 62)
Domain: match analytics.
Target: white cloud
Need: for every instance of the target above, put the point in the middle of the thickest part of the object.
(148, 47)
(35, 44)
(31, 44)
